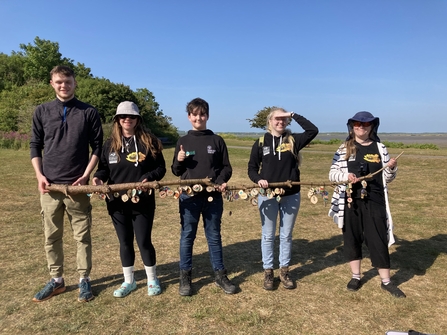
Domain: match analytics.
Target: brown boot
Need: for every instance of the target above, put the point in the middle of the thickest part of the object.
(268, 279)
(285, 278)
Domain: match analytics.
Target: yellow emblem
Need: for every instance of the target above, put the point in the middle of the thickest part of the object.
(133, 156)
(284, 147)
(372, 158)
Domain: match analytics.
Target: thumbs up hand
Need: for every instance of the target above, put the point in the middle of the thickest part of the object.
(181, 154)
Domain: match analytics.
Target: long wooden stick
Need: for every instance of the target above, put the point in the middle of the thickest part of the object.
(73, 189)
(370, 175)
(106, 189)
(288, 184)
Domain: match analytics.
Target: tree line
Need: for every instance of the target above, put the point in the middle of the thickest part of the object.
(24, 84)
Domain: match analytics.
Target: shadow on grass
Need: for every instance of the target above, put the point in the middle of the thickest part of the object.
(243, 258)
(411, 258)
(414, 258)
(316, 256)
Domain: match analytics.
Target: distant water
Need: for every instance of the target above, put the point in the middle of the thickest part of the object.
(422, 138)
(407, 138)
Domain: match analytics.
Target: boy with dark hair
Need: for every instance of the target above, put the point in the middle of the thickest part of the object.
(201, 154)
(64, 130)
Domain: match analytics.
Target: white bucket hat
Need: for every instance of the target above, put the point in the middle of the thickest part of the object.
(127, 108)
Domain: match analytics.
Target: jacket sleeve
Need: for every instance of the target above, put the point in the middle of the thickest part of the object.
(338, 171)
(254, 164)
(310, 131)
(388, 173)
(37, 136)
(227, 171)
(96, 133)
(103, 171)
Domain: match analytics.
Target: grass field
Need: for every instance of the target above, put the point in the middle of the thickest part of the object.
(319, 305)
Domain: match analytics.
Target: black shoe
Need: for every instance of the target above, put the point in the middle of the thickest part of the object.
(394, 290)
(185, 288)
(354, 285)
(223, 282)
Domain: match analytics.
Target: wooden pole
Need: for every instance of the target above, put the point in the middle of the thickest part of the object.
(78, 189)
(108, 189)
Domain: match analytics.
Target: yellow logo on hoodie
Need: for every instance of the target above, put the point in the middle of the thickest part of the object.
(284, 147)
(132, 157)
(372, 158)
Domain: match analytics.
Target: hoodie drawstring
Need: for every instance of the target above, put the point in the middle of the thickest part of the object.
(274, 151)
(280, 144)
(274, 148)
(136, 148)
(136, 151)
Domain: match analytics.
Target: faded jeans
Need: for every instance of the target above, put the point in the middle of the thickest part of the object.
(287, 208)
(54, 205)
(190, 210)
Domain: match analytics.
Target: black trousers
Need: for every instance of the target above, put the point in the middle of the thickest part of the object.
(139, 225)
(366, 222)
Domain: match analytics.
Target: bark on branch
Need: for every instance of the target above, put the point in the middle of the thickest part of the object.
(72, 189)
(370, 175)
(284, 184)
(108, 189)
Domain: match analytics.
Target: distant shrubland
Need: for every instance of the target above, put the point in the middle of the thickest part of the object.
(395, 145)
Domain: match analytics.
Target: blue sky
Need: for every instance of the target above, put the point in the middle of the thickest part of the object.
(323, 59)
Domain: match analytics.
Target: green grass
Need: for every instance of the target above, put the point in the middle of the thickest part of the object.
(319, 305)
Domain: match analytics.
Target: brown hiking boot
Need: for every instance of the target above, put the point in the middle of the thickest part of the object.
(285, 278)
(268, 279)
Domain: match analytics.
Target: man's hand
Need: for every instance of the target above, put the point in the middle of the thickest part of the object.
(81, 181)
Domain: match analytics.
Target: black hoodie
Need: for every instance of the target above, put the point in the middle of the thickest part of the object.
(279, 164)
(125, 170)
(207, 156)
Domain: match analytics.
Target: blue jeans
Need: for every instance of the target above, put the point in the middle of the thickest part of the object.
(190, 210)
(288, 208)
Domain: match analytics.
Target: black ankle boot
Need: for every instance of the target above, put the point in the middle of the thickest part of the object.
(185, 288)
(223, 282)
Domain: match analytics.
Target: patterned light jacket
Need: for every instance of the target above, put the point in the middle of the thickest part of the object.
(339, 173)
